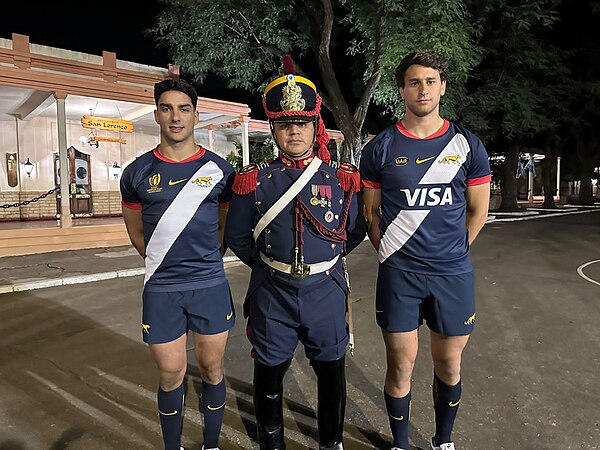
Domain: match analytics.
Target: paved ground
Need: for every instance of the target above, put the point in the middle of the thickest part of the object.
(74, 373)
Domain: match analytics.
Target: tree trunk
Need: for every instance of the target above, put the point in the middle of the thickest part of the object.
(585, 189)
(509, 182)
(585, 152)
(548, 176)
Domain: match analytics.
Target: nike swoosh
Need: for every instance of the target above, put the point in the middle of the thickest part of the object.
(452, 404)
(418, 161)
(167, 414)
(378, 311)
(210, 408)
(397, 418)
(230, 315)
(173, 183)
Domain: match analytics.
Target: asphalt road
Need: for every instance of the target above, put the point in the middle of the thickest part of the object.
(74, 373)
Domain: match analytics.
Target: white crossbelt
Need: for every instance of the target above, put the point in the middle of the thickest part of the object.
(287, 197)
(287, 268)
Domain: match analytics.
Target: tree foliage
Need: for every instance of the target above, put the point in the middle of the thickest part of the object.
(259, 153)
(516, 94)
(345, 46)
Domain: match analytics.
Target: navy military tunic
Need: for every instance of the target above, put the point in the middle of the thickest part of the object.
(317, 227)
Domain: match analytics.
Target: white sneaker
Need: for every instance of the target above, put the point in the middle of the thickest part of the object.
(446, 446)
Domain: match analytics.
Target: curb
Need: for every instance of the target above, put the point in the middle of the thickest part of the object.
(78, 279)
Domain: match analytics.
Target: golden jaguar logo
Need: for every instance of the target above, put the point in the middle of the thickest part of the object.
(450, 159)
(154, 182)
(203, 181)
(471, 320)
(146, 328)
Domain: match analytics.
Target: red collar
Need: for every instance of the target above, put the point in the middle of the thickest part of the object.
(438, 133)
(296, 163)
(199, 154)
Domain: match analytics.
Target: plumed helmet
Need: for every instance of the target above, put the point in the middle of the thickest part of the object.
(292, 97)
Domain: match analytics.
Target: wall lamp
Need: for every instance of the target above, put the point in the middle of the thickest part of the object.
(115, 170)
(28, 166)
(91, 140)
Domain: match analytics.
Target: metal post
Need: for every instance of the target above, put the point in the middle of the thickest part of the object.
(558, 178)
(530, 181)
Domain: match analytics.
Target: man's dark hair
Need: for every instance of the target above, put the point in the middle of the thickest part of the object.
(171, 84)
(426, 58)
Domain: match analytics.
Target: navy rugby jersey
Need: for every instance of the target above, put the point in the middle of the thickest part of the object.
(179, 203)
(423, 204)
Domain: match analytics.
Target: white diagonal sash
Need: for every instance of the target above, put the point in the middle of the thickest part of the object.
(287, 197)
(179, 213)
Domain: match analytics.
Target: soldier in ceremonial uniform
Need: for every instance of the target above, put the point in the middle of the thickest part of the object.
(293, 220)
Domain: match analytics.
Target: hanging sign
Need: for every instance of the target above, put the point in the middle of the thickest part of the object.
(102, 123)
(107, 139)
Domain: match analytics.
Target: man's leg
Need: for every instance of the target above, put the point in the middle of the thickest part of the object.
(210, 349)
(171, 361)
(401, 353)
(268, 404)
(331, 401)
(446, 352)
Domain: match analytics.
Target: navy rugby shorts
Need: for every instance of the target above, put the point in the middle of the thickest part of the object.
(168, 315)
(404, 299)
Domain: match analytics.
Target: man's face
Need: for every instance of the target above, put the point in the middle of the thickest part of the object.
(176, 116)
(422, 90)
(294, 138)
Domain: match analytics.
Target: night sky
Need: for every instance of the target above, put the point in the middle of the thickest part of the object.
(112, 26)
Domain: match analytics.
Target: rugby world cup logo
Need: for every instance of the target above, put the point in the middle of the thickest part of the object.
(154, 182)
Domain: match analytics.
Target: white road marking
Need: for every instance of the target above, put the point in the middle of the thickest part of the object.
(584, 276)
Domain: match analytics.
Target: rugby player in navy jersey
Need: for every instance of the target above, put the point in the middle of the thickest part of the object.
(426, 186)
(175, 200)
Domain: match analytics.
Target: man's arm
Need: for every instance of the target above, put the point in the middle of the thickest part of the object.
(478, 203)
(135, 228)
(222, 221)
(239, 228)
(372, 202)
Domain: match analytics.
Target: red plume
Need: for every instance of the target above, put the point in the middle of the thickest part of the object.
(288, 65)
(322, 141)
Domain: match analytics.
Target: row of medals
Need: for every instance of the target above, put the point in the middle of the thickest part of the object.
(321, 196)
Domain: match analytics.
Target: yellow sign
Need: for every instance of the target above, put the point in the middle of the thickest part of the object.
(103, 123)
(107, 139)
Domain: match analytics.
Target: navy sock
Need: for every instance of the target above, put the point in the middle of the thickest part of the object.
(213, 408)
(170, 410)
(398, 410)
(445, 400)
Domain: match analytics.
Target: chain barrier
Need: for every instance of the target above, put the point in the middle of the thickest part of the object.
(33, 200)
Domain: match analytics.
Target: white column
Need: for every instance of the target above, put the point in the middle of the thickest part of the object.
(211, 137)
(65, 194)
(245, 140)
(558, 178)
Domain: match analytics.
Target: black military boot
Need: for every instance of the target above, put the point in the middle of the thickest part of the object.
(268, 404)
(331, 398)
